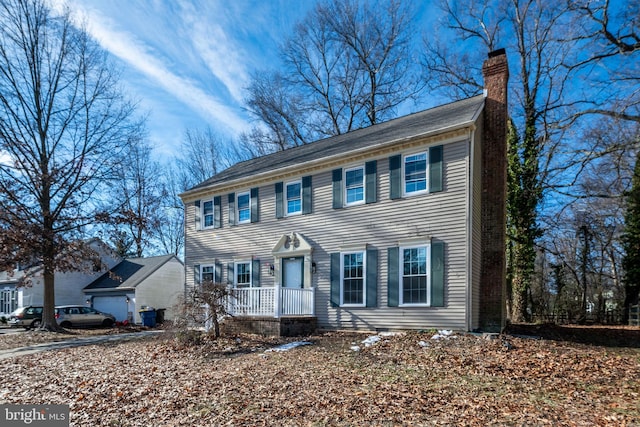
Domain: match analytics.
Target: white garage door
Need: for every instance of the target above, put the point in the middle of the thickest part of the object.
(114, 305)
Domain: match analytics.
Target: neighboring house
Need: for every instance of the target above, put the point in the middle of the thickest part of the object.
(68, 286)
(400, 225)
(136, 283)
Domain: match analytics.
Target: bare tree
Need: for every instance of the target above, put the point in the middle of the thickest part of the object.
(136, 194)
(609, 39)
(169, 230)
(205, 306)
(348, 64)
(201, 156)
(63, 123)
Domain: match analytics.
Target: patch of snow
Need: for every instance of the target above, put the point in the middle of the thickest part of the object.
(443, 334)
(423, 344)
(355, 348)
(371, 340)
(289, 346)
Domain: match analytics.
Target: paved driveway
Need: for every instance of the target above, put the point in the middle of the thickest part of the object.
(73, 342)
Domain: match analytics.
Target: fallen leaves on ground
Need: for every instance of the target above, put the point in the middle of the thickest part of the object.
(405, 379)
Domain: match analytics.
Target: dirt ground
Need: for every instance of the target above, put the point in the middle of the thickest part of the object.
(405, 379)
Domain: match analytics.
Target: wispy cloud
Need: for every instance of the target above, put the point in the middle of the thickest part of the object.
(223, 55)
(139, 55)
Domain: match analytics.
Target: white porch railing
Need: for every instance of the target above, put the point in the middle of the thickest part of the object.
(272, 302)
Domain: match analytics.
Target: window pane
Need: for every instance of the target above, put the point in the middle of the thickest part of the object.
(293, 191)
(354, 184)
(207, 274)
(294, 200)
(243, 274)
(415, 173)
(207, 211)
(414, 276)
(353, 279)
(244, 211)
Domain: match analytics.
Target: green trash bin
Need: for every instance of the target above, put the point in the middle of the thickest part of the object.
(148, 316)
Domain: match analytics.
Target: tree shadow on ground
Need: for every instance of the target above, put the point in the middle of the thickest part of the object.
(600, 335)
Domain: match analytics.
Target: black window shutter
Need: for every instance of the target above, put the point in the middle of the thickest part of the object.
(232, 208)
(337, 189)
(372, 278)
(437, 274)
(393, 279)
(255, 273)
(197, 214)
(217, 212)
(307, 204)
(196, 274)
(255, 205)
(371, 181)
(395, 177)
(217, 275)
(335, 279)
(230, 274)
(435, 169)
(279, 200)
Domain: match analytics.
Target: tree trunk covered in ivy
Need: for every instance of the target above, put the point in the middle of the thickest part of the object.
(523, 196)
(631, 243)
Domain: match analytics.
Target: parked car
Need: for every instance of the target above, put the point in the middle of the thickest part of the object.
(79, 316)
(28, 317)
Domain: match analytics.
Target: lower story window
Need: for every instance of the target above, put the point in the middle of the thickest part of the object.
(414, 275)
(352, 280)
(242, 274)
(207, 274)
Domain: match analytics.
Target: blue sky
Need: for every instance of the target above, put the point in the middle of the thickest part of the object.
(188, 62)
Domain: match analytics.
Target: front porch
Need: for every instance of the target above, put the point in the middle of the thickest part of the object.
(273, 310)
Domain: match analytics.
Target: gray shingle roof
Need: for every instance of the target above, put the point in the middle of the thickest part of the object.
(424, 122)
(130, 273)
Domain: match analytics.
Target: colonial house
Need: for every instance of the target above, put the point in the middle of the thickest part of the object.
(136, 283)
(399, 225)
(68, 285)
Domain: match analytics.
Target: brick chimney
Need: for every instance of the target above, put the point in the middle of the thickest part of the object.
(494, 193)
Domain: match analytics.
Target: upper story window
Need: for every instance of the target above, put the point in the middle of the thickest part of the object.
(207, 213)
(294, 198)
(244, 207)
(354, 186)
(242, 274)
(415, 173)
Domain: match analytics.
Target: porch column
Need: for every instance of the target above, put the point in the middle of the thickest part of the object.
(276, 302)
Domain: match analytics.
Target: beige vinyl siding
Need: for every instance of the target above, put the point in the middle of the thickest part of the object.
(162, 289)
(476, 228)
(441, 216)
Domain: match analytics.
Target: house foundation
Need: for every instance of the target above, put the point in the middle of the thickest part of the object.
(291, 326)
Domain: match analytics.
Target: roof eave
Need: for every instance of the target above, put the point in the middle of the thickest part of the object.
(196, 192)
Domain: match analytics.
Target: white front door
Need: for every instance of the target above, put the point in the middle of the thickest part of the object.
(292, 272)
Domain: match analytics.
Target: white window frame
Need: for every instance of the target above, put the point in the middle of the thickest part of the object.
(235, 274)
(202, 272)
(427, 303)
(404, 174)
(344, 186)
(364, 279)
(248, 208)
(286, 198)
(204, 216)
